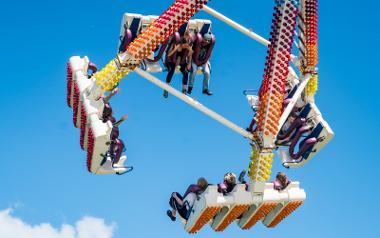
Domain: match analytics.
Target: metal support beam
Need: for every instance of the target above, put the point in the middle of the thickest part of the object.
(236, 25)
(194, 104)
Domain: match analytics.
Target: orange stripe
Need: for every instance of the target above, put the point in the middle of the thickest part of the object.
(206, 216)
(233, 214)
(286, 211)
(260, 213)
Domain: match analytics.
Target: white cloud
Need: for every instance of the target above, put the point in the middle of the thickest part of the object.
(87, 227)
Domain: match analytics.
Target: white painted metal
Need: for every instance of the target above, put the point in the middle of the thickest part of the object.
(197, 105)
(236, 25)
(88, 90)
(293, 194)
(313, 118)
(295, 98)
(238, 197)
(211, 198)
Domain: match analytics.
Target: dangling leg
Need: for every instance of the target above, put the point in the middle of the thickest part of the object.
(206, 79)
(185, 77)
(175, 203)
(251, 125)
(194, 69)
(119, 151)
(169, 77)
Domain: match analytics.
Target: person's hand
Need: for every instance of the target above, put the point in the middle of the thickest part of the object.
(124, 117)
(188, 67)
(116, 91)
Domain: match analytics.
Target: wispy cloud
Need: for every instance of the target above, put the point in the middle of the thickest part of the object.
(87, 227)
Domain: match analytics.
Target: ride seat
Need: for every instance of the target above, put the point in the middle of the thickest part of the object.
(80, 85)
(89, 107)
(295, 198)
(261, 204)
(97, 137)
(205, 209)
(206, 28)
(321, 131)
(237, 202)
(130, 33)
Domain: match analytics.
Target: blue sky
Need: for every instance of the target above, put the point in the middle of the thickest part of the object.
(43, 173)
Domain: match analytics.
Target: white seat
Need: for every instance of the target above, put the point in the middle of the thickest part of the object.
(205, 209)
(262, 203)
(237, 202)
(98, 136)
(152, 67)
(295, 198)
(76, 64)
(80, 80)
(253, 101)
(268, 205)
(246, 207)
(321, 131)
(90, 107)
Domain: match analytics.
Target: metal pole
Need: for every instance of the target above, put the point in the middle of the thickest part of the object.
(194, 103)
(236, 25)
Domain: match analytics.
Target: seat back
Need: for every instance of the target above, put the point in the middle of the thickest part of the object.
(131, 27)
(320, 133)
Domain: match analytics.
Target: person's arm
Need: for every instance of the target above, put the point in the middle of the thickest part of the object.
(222, 188)
(191, 189)
(277, 185)
(190, 58)
(173, 49)
(121, 120)
(113, 93)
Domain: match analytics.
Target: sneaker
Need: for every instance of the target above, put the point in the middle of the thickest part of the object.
(166, 94)
(189, 90)
(206, 91)
(170, 215)
(241, 176)
(184, 91)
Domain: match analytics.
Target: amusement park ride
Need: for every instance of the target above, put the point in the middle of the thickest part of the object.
(286, 118)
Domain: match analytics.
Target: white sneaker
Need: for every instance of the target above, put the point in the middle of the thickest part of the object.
(121, 162)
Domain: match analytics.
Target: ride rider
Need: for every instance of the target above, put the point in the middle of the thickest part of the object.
(180, 54)
(206, 67)
(116, 144)
(183, 204)
(228, 184)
